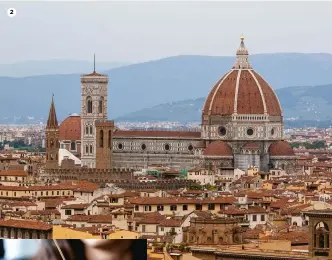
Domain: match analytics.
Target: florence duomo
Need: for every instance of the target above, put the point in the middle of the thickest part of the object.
(193, 139)
(242, 127)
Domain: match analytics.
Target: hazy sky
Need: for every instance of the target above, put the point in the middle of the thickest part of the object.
(141, 31)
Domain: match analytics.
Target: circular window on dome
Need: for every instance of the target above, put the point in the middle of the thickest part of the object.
(167, 147)
(143, 146)
(250, 131)
(273, 131)
(190, 147)
(222, 131)
(120, 146)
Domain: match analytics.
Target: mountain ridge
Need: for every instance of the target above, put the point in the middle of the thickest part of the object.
(137, 86)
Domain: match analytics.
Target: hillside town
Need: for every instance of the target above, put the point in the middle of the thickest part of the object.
(238, 186)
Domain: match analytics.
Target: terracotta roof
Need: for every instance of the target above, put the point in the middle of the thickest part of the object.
(218, 148)
(22, 204)
(100, 219)
(44, 212)
(296, 237)
(14, 173)
(76, 206)
(281, 148)
(27, 224)
(250, 95)
(250, 146)
(94, 74)
(70, 128)
(79, 218)
(161, 133)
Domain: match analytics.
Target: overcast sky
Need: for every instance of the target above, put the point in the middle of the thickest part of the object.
(142, 31)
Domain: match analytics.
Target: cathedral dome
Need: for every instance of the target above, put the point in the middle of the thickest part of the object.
(281, 148)
(218, 148)
(70, 128)
(241, 91)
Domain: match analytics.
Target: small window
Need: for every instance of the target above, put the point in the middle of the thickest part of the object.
(143, 147)
(222, 131)
(101, 139)
(190, 147)
(89, 105)
(262, 217)
(250, 131)
(73, 146)
(167, 147)
(120, 146)
(173, 207)
(101, 104)
(254, 217)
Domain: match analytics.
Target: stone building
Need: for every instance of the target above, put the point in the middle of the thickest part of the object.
(242, 126)
(212, 232)
(25, 229)
(320, 242)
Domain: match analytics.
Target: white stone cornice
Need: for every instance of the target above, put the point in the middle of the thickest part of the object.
(237, 91)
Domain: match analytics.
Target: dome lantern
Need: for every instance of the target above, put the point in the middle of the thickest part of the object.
(242, 57)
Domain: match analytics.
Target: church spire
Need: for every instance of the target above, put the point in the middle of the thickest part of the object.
(242, 56)
(52, 121)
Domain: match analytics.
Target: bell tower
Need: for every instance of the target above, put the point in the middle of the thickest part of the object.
(93, 107)
(52, 139)
(104, 143)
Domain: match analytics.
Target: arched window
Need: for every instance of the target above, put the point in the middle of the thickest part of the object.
(51, 143)
(73, 146)
(89, 104)
(91, 151)
(101, 138)
(322, 235)
(87, 130)
(109, 138)
(87, 149)
(91, 131)
(51, 155)
(100, 105)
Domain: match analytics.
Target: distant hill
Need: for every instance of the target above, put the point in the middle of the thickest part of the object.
(53, 67)
(301, 103)
(173, 79)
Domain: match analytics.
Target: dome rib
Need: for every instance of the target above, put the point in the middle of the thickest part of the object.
(260, 90)
(237, 91)
(217, 90)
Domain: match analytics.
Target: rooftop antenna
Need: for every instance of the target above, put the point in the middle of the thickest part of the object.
(94, 63)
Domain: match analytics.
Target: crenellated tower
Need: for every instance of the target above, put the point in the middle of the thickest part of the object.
(52, 139)
(104, 141)
(93, 107)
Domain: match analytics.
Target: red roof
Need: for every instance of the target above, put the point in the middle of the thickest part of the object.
(70, 128)
(281, 148)
(218, 148)
(252, 92)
